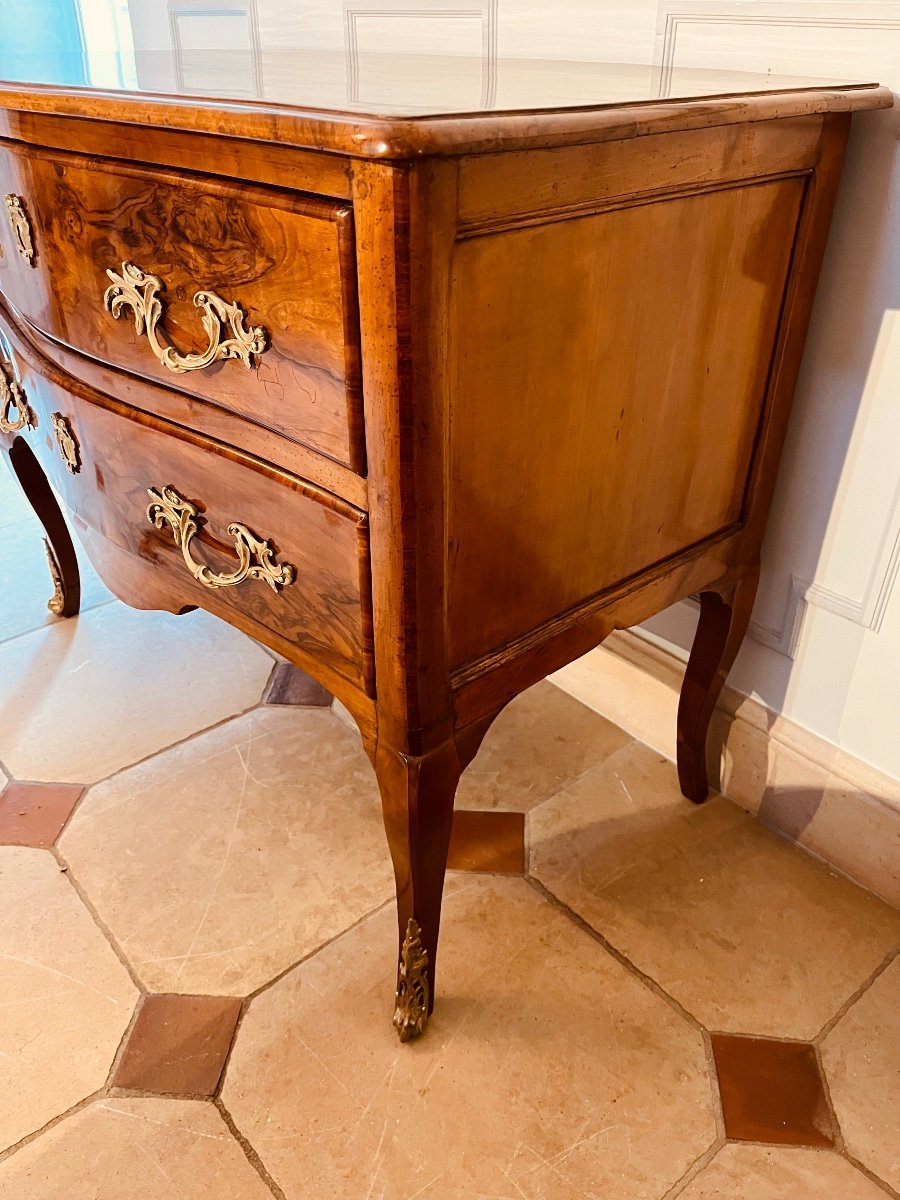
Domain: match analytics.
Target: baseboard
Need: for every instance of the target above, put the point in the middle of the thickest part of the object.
(835, 806)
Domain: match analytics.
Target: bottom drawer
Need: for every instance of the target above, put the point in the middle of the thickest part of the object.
(263, 550)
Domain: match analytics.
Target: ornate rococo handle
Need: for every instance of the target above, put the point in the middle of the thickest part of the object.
(140, 292)
(256, 556)
(12, 397)
(21, 227)
(67, 443)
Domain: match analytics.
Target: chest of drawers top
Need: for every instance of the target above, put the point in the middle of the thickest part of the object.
(403, 106)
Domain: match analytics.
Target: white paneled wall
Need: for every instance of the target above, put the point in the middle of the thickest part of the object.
(826, 648)
(825, 645)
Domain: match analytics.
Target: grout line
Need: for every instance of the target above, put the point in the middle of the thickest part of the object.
(140, 762)
(857, 995)
(132, 1093)
(66, 870)
(226, 1062)
(264, 987)
(74, 809)
(699, 1164)
(837, 1133)
(270, 680)
(714, 1087)
(870, 1175)
(616, 954)
(761, 1037)
(51, 1124)
(252, 1156)
(125, 1039)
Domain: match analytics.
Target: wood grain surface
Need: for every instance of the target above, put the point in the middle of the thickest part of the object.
(411, 138)
(286, 258)
(324, 613)
(625, 432)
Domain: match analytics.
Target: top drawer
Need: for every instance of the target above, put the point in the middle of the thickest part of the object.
(229, 277)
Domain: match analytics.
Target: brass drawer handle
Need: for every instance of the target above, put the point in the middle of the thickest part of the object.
(256, 555)
(140, 292)
(67, 443)
(21, 227)
(12, 399)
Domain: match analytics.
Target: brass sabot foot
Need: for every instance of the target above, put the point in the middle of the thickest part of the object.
(57, 601)
(411, 1008)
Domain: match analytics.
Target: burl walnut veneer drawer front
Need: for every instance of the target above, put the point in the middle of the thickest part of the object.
(245, 296)
(220, 533)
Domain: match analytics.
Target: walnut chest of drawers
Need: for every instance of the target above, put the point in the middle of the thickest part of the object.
(428, 402)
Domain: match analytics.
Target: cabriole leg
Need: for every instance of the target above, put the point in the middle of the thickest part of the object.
(724, 617)
(417, 801)
(63, 564)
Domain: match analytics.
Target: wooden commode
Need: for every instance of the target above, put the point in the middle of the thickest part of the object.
(429, 398)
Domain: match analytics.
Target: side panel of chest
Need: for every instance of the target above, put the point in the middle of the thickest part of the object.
(608, 366)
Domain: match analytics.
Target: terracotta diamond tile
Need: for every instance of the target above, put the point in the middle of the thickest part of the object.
(290, 685)
(33, 814)
(178, 1045)
(487, 841)
(772, 1092)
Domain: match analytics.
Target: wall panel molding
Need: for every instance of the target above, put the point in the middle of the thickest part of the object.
(866, 609)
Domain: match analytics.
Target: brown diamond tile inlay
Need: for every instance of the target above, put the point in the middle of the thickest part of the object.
(772, 1092)
(33, 814)
(290, 685)
(178, 1045)
(487, 841)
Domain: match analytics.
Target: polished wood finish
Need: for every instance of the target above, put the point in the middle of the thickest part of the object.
(724, 616)
(65, 599)
(325, 614)
(406, 138)
(674, 306)
(287, 259)
(529, 381)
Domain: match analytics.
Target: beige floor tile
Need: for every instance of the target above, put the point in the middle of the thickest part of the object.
(548, 1072)
(634, 698)
(65, 998)
(25, 583)
(862, 1066)
(88, 696)
(143, 1149)
(749, 933)
(13, 505)
(221, 862)
(745, 1172)
(541, 741)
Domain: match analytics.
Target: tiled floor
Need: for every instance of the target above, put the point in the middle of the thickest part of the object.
(638, 999)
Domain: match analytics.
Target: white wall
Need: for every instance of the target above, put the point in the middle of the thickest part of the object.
(825, 644)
